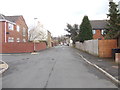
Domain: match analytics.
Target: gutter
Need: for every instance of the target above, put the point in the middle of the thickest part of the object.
(4, 20)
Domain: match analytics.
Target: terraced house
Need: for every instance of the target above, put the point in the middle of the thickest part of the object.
(13, 29)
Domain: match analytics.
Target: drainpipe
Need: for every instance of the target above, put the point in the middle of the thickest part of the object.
(5, 33)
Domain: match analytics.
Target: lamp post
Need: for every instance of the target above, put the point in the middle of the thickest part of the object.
(34, 30)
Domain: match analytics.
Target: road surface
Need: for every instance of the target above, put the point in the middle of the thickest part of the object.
(57, 67)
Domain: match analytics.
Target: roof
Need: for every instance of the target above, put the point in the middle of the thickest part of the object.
(98, 24)
(12, 18)
(9, 18)
(2, 16)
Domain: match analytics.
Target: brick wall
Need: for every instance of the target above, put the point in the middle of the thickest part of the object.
(40, 46)
(13, 33)
(22, 47)
(21, 22)
(2, 34)
(106, 46)
(97, 35)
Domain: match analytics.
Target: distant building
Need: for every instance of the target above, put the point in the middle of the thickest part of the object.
(38, 33)
(13, 29)
(49, 39)
(98, 27)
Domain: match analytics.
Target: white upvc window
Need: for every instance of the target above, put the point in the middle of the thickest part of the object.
(24, 40)
(24, 32)
(10, 26)
(18, 39)
(10, 39)
(102, 32)
(18, 28)
(94, 31)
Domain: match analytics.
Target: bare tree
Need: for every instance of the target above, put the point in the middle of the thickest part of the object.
(37, 34)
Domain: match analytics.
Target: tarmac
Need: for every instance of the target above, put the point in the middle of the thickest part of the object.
(105, 65)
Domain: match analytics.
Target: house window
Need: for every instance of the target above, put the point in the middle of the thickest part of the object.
(24, 40)
(10, 39)
(94, 31)
(102, 32)
(10, 26)
(18, 39)
(24, 32)
(18, 28)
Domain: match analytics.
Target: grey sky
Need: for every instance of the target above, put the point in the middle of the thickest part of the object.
(54, 14)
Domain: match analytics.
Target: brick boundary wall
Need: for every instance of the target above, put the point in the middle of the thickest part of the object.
(40, 46)
(22, 47)
(105, 47)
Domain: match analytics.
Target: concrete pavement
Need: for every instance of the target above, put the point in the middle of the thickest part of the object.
(106, 65)
(58, 67)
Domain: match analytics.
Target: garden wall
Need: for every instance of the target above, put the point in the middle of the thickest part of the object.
(21, 47)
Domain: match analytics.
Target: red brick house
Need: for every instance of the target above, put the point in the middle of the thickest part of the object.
(13, 29)
(98, 27)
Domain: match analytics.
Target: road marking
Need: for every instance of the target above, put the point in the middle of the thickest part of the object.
(106, 73)
(6, 67)
(34, 53)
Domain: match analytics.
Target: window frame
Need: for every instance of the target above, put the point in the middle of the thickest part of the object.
(10, 39)
(18, 28)
(24, 40)
(24, 32)
(94, 32)
(18, 40)
(102, 31)
(10, 26)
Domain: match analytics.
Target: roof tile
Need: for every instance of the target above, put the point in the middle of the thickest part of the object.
(98, 24)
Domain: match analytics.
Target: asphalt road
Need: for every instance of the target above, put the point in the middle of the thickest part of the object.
(58, 67)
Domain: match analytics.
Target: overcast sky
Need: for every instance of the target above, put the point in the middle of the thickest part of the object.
(55, 14)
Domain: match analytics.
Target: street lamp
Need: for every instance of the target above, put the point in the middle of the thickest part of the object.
(34, 30)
